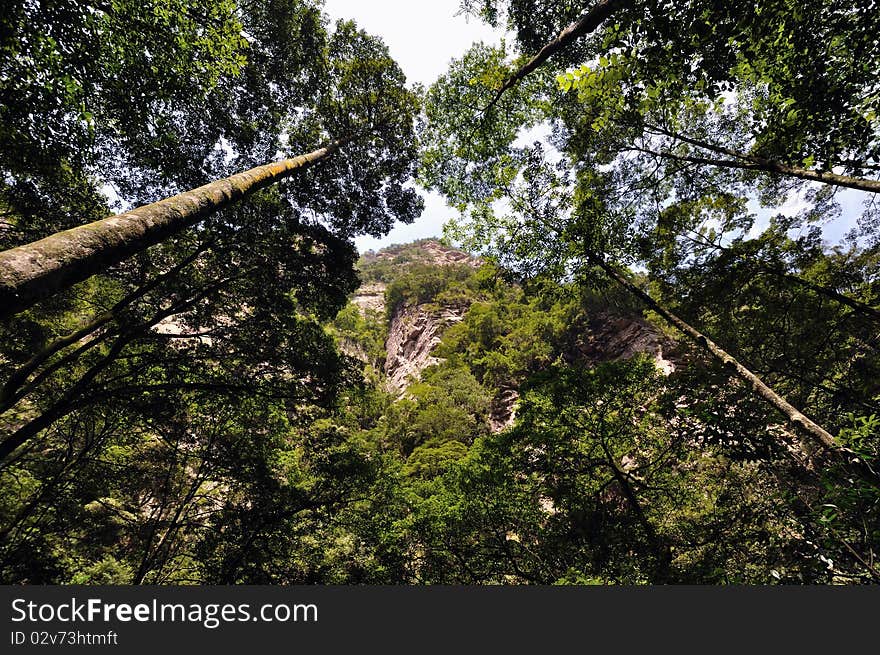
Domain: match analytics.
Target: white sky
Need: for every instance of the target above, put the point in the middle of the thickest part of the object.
(422, 36)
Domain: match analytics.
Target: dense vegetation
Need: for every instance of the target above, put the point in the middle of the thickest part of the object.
(215, 409)
(611, 472)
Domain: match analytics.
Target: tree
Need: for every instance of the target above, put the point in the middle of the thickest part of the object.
(665, 78)
(359, 73)
(676, 55)
(145, 382)
(683, 112)
(184, 411)
(643, 66)
(33, 271)
(67, 101)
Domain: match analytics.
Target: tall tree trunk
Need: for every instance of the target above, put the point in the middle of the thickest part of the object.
(833, 294)
(851, 461)
(12, 392)
(821, 436)
(586, 24)
(42, 268)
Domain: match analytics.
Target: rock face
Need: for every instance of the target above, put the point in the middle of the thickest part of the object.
(503, 410)
(606, 338)
(437, 253)
(609, 337)
(414, 332)
(370, 298)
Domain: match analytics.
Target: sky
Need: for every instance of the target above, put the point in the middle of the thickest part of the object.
(422, 37)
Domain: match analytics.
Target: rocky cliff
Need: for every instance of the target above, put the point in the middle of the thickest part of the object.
(608, 337)
(414, 330)
(412, 336)
(370, 297)
(384, 265)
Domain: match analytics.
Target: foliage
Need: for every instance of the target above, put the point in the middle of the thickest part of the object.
(214, 410)
(160, 396)
(425, 284)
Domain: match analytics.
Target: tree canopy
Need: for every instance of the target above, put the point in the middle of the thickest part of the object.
(657, 362)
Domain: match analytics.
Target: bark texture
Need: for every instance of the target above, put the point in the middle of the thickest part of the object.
(42, 268)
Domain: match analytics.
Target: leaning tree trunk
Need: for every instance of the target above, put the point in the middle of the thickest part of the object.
(755, 163)
(42, 268)
(795, 416)
(843, 299)
(588, 23)
(779, 271)
(752, 163)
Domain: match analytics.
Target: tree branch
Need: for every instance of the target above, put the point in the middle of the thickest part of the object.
(582, 26)
(755, 163)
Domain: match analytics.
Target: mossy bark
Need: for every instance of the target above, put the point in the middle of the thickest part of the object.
(42, 268)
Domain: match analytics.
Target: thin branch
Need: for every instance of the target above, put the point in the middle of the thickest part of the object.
(755, 163)
(581, 27)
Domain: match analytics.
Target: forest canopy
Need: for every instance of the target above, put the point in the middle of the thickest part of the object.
(646, 353)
